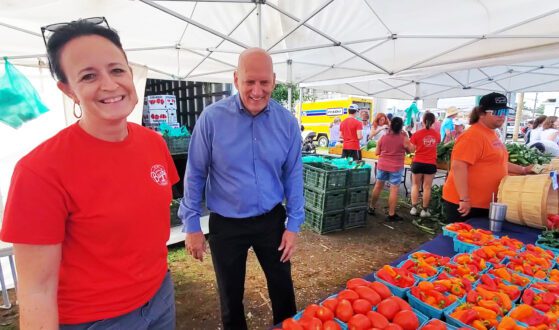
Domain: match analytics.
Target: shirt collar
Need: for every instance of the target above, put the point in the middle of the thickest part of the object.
(241, 108)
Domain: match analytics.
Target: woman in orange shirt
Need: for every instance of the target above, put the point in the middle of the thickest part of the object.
(479, 162)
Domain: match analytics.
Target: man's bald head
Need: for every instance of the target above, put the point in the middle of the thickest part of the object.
(255, 79)
(254, 54)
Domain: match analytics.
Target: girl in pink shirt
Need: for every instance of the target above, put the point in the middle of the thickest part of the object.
(391, 150)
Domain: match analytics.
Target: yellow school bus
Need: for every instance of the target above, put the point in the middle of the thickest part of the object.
(317, 116)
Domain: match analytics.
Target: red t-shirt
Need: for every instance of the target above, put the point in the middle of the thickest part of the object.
(348, 130)
(392, 152)
(107, 203)
(426, 141)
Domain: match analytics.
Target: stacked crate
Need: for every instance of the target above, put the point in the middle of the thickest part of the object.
(357, 197)
(335, 199)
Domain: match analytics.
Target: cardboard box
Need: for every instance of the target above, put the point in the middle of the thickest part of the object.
(160, 102)
(156, 117)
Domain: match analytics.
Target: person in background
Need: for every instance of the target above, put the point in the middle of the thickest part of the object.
(91, 249)
(447, 126)
(391, 150)
(334, 131)
(245, 156)
(389, 116)
(424, 164)
(459, 127)
(479, 161)
(535, 133)
(549, 129)
(351, 131)
(380, 126)
(526, 131)
(366, 127)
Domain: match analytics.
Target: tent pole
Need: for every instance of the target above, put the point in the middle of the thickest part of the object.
(534, 108)
(290, 85)
(300, 114)
(259, 14)
(301, 23)
(519, 108)
(193, 22)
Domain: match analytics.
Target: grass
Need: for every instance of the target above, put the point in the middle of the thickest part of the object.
(176, 253)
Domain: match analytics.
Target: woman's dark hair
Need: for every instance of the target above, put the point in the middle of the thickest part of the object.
(429, 119)
(396, 125)
(539, 121)
(474, 115)
(70, 31)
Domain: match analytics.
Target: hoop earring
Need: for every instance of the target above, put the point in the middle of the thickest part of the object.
(74, 111)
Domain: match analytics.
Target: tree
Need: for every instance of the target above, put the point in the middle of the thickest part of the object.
(280, 93)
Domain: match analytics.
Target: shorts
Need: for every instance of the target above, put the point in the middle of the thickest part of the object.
(395, 178)
(355, 154)
(423, 168)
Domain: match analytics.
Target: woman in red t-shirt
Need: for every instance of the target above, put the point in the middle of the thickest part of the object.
(424, 165)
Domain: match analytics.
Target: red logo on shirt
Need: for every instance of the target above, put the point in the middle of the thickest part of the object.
(159, 175)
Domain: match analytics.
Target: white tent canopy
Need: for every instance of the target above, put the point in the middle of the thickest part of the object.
(540, 76)
(311, 41)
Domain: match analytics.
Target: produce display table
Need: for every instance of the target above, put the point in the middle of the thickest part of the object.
(443, 245)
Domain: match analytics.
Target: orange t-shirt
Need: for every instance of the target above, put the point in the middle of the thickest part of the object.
(107, 204)
(487, 156)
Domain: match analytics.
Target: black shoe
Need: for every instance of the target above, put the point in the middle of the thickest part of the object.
(371, 210)
(394, 218)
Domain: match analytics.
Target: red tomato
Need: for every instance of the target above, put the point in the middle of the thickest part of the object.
(393, 326)
(359, 322)
(324, 314)
(406, 319)
(377, 319)
(331, 304)
(369, 294)
(355, 282)
(331, 325)
(382, 290)
(361, 306)
(348, 295)
(291, 324)
(344, 311)
(310, 310)
(388, 308)
(401, 303)
(434, 325)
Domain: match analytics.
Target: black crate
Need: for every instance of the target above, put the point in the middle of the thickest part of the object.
(324, 222)
(357, 196)
(324, 201)
(355, 217)
(324, 177)
(358, 177)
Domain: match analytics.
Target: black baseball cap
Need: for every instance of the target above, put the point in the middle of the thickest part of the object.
(493, 101)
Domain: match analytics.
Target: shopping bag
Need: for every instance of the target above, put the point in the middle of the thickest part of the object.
(19, 101)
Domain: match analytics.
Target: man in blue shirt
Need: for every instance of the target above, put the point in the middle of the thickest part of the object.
(245, 153)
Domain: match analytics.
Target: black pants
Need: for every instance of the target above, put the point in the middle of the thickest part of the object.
(229, 241)
(355, 154)
(452, 214)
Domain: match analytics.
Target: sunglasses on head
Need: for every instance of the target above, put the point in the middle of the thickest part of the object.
(499, 112)
(52, 28)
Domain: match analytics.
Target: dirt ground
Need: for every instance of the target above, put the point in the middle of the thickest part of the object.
(321, 266)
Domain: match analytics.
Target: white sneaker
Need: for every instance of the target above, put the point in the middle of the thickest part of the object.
(413, 211)
(425, 214)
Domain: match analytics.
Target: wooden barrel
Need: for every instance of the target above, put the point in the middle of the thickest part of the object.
(529, 199)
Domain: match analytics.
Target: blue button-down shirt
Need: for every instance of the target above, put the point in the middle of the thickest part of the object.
(246, 164)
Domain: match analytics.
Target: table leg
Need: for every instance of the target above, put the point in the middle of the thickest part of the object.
(5, 298)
